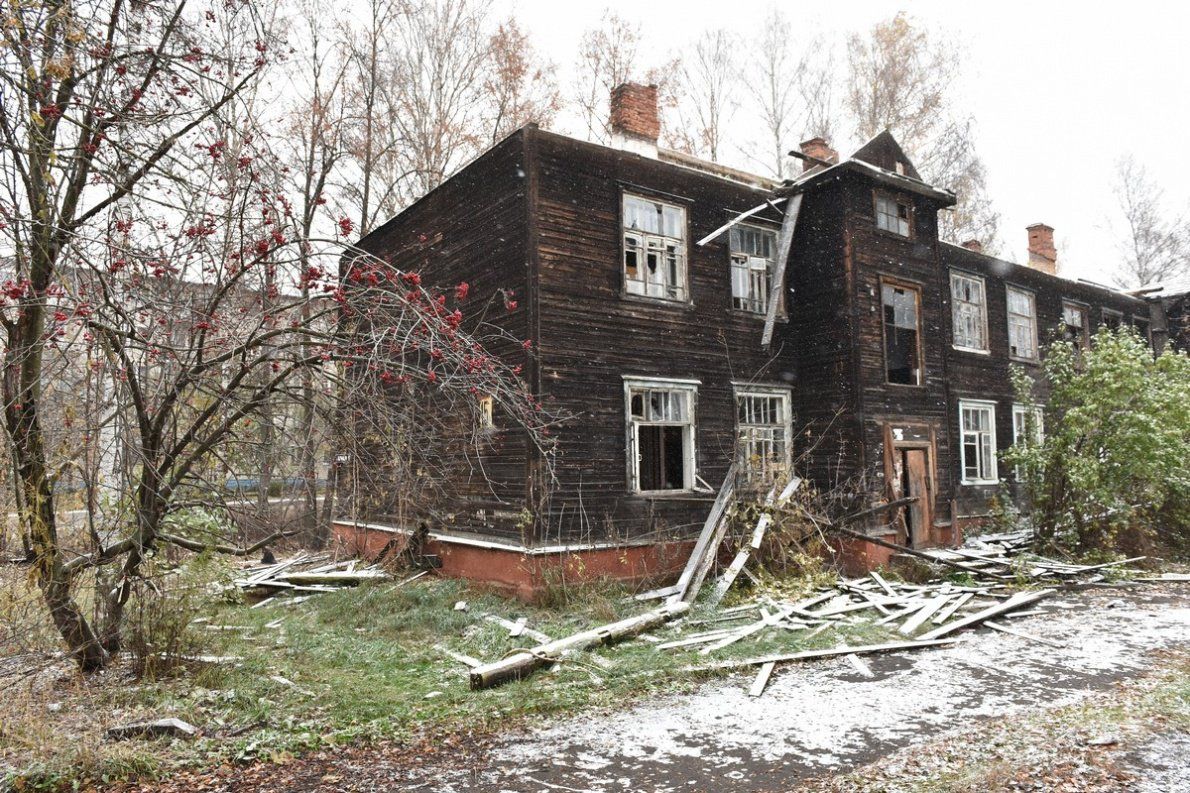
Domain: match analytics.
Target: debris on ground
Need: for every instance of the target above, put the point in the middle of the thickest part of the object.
(306, 574)
(171, 727)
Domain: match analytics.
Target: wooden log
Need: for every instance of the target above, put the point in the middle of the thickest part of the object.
(524, 662)
(1012, 604)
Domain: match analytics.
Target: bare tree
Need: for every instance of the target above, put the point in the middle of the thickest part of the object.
(1154, 245)
(706, 92)
(900, 79)
(607, 57)
(519, 88)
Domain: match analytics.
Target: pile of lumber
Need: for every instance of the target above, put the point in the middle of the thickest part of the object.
(304, 576)
(1007, 557)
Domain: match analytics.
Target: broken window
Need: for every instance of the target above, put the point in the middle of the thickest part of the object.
(1074, 324)
(654, 249)
(893, 215)
(753, 253)
(763, 426)
(1022, 324)
(1028, 428)
(661, 436)
(977, 446)
(487, 413)
(1112, 320)
(969, 312)
(902, 343)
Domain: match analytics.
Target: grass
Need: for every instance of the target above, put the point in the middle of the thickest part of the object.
(358, 665)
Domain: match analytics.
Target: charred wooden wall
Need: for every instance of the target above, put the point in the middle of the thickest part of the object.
(473, 228)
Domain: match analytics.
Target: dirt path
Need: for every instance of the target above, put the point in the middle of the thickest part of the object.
(827, 717)
(815, 721)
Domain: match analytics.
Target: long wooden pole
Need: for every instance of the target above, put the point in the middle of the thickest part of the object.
(523, 662)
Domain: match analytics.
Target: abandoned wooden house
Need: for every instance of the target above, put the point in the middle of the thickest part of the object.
(888, 362)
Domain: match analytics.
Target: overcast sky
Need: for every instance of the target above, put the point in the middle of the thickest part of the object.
(1058, 94)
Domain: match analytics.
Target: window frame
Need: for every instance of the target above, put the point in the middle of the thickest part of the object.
(992, 475)
(644, 248)
(1085, 340)
(770, 269)
(898, 283)
(983, 314)
(487, 413)
(745, 390)
(1118, 316)
(898, 201)
(1023, 411)
(1008, 316)
(689, 387)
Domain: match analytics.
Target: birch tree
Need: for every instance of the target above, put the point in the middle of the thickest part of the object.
(1154, 244)
(607, 57)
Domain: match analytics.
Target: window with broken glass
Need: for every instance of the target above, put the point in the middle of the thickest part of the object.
(763, 426)
(1112, 320)
(902, 336)
(1022, 324)
(1074, 324)
(893, 215)
(969, 312)
(654, 249)
(661, 436)
(1028, 428)
(753, 253)
(977, 447)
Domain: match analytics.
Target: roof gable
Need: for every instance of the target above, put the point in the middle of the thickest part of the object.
(883, 151)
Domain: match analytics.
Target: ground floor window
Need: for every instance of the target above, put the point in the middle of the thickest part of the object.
(660, 434)
(763, 427)
(977, 442)
(1028, 427)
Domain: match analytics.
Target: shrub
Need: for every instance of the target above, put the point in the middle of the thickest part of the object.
(1113, 469)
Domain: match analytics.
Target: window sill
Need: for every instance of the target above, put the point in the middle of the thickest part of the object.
(759, 317)
(657, 301)
(979, 482)
(972, 350)
(893, 235)
(905, 385)
(1030, 361)
(672, 495)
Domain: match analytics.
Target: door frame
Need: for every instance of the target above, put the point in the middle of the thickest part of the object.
(893, 446)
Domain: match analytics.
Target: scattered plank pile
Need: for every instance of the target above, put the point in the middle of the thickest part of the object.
(304, 576)
(1005, 557)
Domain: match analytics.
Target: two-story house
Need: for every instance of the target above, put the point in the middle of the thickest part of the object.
(887, 368)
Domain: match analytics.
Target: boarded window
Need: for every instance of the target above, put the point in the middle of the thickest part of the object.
(654, 249)
(661, 439)
(977, 447)
(902, 342)
(1022, 324)
(893, 215)
(753, 253)
(763, 425)
(1074, 324)
(969, 312)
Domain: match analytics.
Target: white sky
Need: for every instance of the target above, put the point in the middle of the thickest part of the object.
(1057, 93)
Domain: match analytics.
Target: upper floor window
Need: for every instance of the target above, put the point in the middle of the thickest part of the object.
(487, 413)
(1112, 320)
(1074, 324)
(753, 252)
(763, 427)
(977, 444)
(654, 249)
(893, 215)
(969, 308)
(1022, 324)
(902, 334)
(660, 435)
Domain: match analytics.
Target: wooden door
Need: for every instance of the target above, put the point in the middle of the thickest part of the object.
(919, 516)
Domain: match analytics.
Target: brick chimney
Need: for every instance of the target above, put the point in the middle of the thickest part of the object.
(1042, 253)
(819, 149)
(634, 119)
(973, 245)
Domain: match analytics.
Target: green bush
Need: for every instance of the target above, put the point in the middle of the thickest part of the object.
(1113, 469)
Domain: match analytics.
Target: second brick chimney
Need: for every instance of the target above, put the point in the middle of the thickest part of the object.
(635, 123)
(819, 149)
(1042, 253)
(973, 245)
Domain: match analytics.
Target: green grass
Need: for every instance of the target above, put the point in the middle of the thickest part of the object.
(365, 666)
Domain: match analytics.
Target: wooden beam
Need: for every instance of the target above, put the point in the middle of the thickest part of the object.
(708, 542)
(1012, 604)
(738, 219)
(784, 244)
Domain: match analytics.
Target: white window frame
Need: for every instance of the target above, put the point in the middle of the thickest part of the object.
(632, 425)
(746, 391)
(670, 253)
(991, 475)
(1031, 318)
(755, 272)
(1084, 339)
(957, 305)
(1020, 415)
(892, 222)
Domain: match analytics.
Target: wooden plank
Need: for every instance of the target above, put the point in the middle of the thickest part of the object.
(784, 244)
(1021, 634)
(1015, 602)
(729, 576)
(709, 539)
(928, 610)
(738, 219)
(762, 679)
(946, 613)
(654, 594)
(748, 630)
(883, 584)
(807, 655)
(859, 665)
